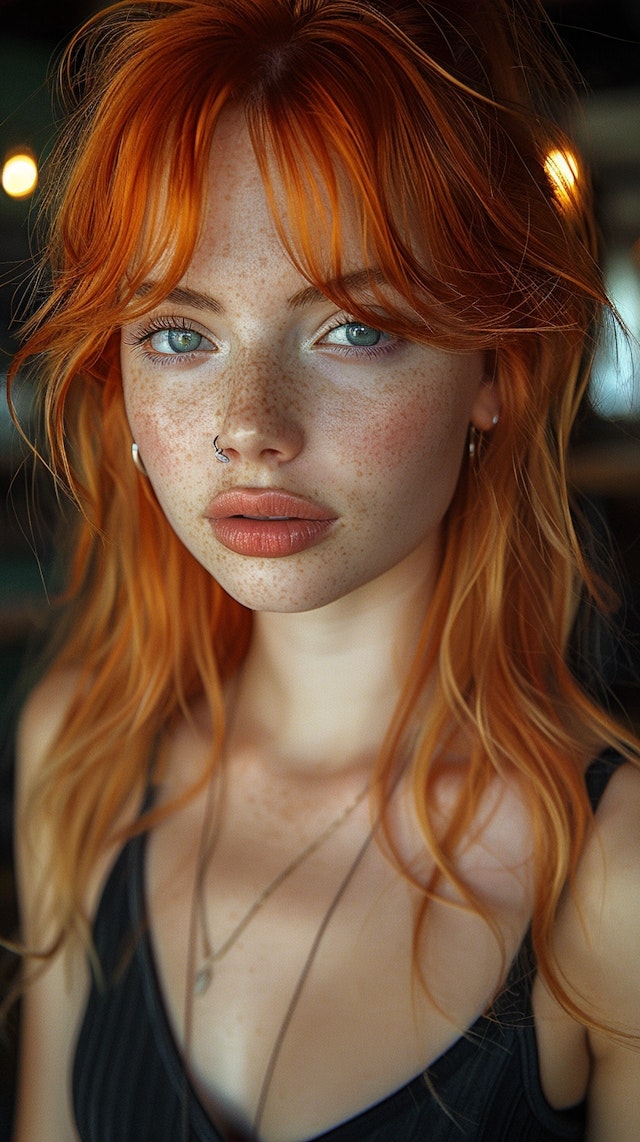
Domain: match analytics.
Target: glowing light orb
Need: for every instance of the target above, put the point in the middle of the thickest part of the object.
(20, 175)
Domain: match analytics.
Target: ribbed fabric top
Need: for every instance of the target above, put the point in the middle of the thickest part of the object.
(130, 1085)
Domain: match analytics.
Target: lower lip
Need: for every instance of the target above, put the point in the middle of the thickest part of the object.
(269, 538)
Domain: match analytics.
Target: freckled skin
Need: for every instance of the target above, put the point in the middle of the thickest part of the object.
(376, 440)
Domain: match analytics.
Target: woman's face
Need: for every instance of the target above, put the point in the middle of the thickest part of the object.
(351, 438)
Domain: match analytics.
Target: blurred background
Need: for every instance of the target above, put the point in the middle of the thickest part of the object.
(603, 37)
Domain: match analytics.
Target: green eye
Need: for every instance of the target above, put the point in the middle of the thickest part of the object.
(355, 335)
(358, 334)
(183, 340)
(167, 339)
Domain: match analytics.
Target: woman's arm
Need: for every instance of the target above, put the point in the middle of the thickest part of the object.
(52, 1004)
(50, 1010)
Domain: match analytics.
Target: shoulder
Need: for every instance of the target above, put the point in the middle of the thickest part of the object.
(611, 882)
(46, 706)
(606, 891)
(598, 933)
(37, 831)
(40, 722)
(41, 719)
(598, 945)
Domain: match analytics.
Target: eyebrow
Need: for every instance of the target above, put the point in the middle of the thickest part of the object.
(309, 295)
(182, 295)
(357, 280)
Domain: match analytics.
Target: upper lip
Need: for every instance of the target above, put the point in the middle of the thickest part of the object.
(264, 503)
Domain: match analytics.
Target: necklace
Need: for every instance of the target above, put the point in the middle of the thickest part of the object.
(212, 956)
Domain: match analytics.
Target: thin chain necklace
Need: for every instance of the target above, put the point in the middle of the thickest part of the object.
(212, 956)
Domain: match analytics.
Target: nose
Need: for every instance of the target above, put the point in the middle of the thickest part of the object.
(261, 421)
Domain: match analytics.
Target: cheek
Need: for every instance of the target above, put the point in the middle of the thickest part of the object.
(392, 434)
(161, 433)
(419, 429)
(159, 443)
(431, 419)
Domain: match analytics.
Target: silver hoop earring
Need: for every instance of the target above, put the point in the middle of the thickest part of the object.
(221, 456)
(137, 459)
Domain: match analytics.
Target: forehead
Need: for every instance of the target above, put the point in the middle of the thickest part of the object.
(249, 198)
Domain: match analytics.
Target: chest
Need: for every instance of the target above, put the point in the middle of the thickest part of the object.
(313, 1010)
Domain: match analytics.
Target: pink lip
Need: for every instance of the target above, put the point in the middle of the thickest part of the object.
(266, 522)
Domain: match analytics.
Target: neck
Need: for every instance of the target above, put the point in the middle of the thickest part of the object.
(320, 687)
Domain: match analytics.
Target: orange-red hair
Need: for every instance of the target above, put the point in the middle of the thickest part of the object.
(436, 115)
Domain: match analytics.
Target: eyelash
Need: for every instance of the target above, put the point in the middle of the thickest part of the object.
(139, 338)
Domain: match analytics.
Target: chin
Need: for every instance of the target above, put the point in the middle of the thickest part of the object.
(267, 587)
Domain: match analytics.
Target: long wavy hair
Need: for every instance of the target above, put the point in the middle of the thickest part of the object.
(440, 117)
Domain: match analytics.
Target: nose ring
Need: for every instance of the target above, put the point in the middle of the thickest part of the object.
(221, 456)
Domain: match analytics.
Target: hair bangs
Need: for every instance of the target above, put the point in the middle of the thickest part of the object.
(476, 248)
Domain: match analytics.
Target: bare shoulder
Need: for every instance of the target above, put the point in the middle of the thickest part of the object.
(598, 935)
(598, 945)
(41, 719)
(606, 896)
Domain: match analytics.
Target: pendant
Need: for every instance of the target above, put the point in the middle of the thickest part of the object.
(202, 980)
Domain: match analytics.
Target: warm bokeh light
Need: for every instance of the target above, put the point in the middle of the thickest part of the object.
(20, 175)
(562, 171)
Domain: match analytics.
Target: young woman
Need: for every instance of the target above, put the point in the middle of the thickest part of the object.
(319, 835)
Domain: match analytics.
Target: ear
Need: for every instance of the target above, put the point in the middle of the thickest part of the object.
(487, 405)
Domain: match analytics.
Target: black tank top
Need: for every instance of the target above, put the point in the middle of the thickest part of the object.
(130, 1085)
